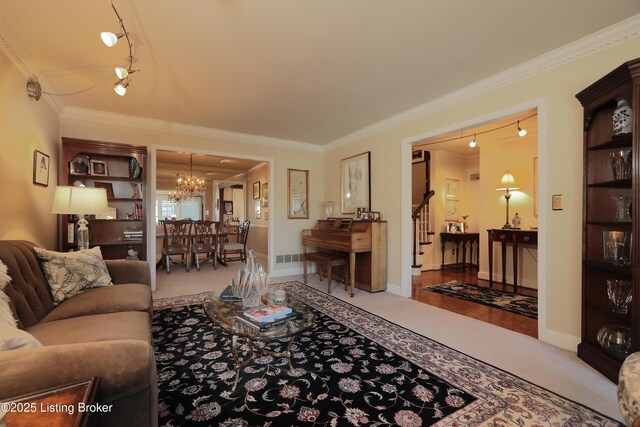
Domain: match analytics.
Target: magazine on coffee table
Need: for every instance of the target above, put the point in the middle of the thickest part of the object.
(263, 326)
(228, 295)
(265, 313)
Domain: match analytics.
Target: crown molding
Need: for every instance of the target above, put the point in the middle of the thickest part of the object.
(593, 43)
(25, 65)
(104, 117)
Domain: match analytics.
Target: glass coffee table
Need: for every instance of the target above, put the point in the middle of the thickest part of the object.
(224, 313)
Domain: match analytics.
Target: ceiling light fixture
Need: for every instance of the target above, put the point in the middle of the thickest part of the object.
(521, 131)
(34, 89)
(188, 187)
(473, 143)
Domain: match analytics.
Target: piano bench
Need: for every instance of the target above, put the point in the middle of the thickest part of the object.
(325, 261)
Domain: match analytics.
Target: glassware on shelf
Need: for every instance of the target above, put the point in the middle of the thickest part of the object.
(617, 247)
(621, 164)
(616, 340)
(619, 293)
(623, 208)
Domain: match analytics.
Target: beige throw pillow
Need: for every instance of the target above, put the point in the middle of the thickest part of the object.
(12, 338)
(69, 273)
(6, 315)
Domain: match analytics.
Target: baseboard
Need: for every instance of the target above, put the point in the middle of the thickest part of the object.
(560, 339)
(394, 289)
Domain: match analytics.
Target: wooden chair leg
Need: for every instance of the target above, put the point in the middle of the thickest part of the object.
(197, 261)
(329, 278)
(168, 259)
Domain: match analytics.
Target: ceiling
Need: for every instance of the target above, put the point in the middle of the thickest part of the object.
(216, 168)
(310, 71)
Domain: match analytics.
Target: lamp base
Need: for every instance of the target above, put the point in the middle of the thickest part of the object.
(83, 233)
(508, 227)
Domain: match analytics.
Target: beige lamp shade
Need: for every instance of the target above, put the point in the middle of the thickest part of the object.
(79, 200)
(508, 182)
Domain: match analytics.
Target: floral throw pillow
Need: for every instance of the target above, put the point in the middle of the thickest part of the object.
(70, 273)
(6, 315)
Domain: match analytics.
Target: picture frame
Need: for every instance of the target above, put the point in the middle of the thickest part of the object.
(112, 213)
(80, 165)
(228, 207)
(257, 210)
(375, 216)
(99, 168)
(265, 195)
(355, 182)
(256, 190)
(107, 186)
(417, 156)
(360, 213)
(297, 194)
(41, 166)
(451, 212)
(455, 227)
(451, 189)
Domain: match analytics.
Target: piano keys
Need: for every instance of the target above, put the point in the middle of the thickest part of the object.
(364, 241)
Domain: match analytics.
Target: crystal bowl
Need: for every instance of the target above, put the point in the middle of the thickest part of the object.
(616, 340)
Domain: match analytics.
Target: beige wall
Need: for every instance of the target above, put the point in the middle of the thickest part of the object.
(560, 167)
(26, 126)
(259, 230)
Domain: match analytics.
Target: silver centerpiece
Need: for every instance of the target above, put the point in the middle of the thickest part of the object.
(251, 283)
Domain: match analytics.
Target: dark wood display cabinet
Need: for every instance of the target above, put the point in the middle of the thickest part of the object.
(120, 169)
(611, 220)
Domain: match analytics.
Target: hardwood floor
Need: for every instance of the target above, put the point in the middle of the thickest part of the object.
(505, 319)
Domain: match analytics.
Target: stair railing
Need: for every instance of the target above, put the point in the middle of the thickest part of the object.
(421, 214)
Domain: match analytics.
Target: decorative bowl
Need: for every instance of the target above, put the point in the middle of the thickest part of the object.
(616, 340)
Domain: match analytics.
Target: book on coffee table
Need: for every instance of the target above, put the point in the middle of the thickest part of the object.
(264, 326)
(266, 313)
(228, 295)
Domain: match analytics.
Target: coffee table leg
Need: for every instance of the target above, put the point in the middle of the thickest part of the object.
(234, 353)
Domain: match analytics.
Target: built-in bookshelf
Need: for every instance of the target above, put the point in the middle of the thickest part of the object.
(120, 169)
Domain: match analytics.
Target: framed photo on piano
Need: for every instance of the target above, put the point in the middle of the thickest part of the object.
(355, 181)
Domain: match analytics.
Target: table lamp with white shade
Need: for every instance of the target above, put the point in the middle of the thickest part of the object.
(508, 182)
(80, 201)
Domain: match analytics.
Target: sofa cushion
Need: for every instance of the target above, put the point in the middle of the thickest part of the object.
(12, 338)
(100, 327)
(29, 291)
(110, 299)
(69, 273)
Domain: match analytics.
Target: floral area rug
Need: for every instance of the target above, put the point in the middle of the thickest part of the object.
(351, 369)
(515, 303)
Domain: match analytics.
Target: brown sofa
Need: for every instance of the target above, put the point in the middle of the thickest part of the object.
(102, 332)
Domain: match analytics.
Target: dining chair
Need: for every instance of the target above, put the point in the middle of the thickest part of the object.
(177, 241)
(239, 247)
(204, 242)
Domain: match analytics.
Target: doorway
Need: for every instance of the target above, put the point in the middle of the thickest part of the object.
(467, 166)
(226, 179)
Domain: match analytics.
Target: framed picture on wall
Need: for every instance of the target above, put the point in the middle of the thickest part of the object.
(297, 194)
(451, 189)
(41, 163)
(257, 210)
(265, 195)
(355, 180)
(228, 207)
(256, 190)
(451, 212)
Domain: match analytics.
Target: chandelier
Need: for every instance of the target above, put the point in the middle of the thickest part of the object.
(187, 187)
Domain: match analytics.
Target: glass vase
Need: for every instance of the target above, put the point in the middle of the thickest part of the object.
(623, 208)
(251, 283)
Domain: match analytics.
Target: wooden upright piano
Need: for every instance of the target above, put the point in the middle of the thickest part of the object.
(364, 241)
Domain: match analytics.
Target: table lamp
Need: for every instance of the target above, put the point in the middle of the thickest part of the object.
(80, 201)
(507, 183)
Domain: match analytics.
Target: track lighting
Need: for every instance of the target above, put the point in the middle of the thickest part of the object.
(473, 143)
(121, 73)
(121, 87)
(521, 131)
(110, 39)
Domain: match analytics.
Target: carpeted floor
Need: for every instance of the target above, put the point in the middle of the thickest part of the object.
(352, 368)
(515, 303)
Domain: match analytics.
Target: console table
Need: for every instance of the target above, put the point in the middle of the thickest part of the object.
(515, 238)
(462, 239)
